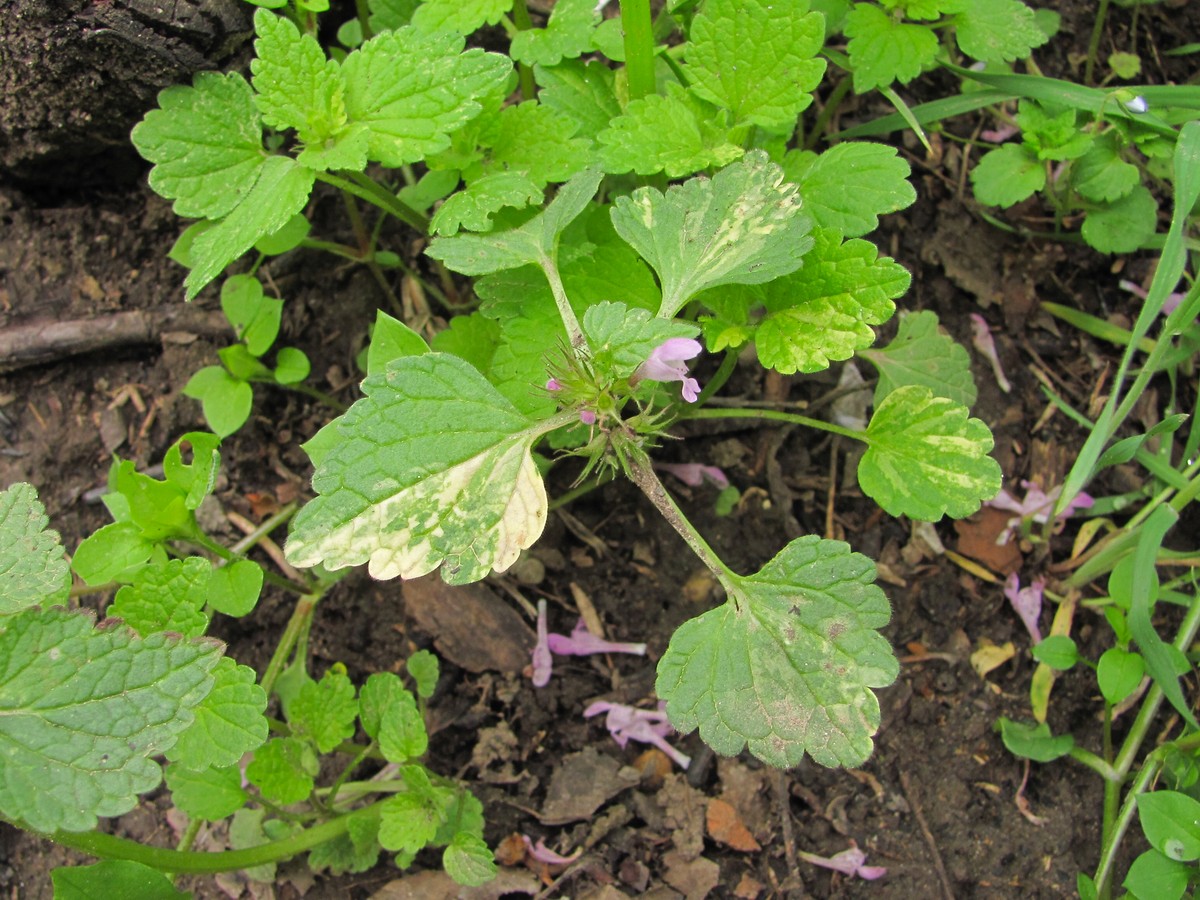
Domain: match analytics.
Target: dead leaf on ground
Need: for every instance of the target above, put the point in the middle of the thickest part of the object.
(683, 806)
(511, 851)
(989, 656)
(748, 888)
(695, 878)
(726, 827)
(747, 790)
(583, 783)
(977, 537)
(437, 885)
(471, 626)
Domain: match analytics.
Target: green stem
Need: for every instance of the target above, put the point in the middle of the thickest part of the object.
(346, 772)
(794, 418)
(301, 617)
(520, 14)
(362, 11)
(268, 525)
(550, 267)
(840, 90)
(332, 402)
(1095, 763)
(345, 251)
(1094, 42)
(728, 364)
(362, 187)
(639, 48)
(192, 862)
(642, 474)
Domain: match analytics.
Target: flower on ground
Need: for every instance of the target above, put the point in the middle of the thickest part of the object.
(981, 337)
(580, 642)
(667, 363)
(1169, 305)
(539, 852)
(1037, 506)
(848, 862)
(1027, 602)
(646, 726)
(695, 474)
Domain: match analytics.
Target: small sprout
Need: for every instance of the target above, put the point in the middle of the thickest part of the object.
(626, 723)
(695, 474)
(1036, 507)
(981, 338)
(1027, 602)
(848, 862)
(581, 642)
(666, 363)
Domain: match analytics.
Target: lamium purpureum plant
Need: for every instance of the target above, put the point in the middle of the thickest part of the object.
(596, 310)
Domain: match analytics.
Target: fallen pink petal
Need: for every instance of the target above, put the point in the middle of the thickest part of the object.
(539, 852)
(695, 474)
(628, 723)
(582, 642)
(1027, 602)
(848, 862)
(1169, 305)
(1037, 506)
(982, 340)
(667, 363)
(543, 662)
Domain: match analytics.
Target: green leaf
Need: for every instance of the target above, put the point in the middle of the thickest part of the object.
(412, 89)
(355, 851)
(226, 400)
(280, 191)
(1058, 652)
(402, 733)
(165, 597)
(824, 311)
(213, 793)
(1007, 175)
(206, 144)
(535, 140)
(410, 820)
(229, 721)
(920, 354)
(295, 85)
(567, 34)
(1119, 672)
(380, 692)
(291, 366)
(621, 339)
(33, 568)
(1101, 174)
(472, 337)
(388, 15)
(474, 206)
(786, 666)
(1033, 741)
(883, 49)
(254, 317)
(1125, 66)
(1154, 876)
(391, 339)
(1124, 225)
(519, 368)
(289, 237)
(233, 589)
(676, 133)
(114, 878)
(755, 58)
(435, 467)
(197, 479)
(1051, 134)
(83, 711)
(1171, 822)
(283, 769)
(468, 860)
(742, 226)
(583, 92)
(534, 242)
(325, 710)
(998, 30)
(847, 187)
(111, 551)
(460, 16)
(926, 458)
(424, 669)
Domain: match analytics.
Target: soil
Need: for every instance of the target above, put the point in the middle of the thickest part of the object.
(940, 804)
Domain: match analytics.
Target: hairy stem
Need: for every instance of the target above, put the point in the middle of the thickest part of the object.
(520, 14)
(299, 622)
(574, 332)
(639, 47)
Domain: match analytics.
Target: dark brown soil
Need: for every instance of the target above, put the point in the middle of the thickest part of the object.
(940, 804)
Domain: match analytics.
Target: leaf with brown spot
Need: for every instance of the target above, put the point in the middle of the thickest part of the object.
(726, 827)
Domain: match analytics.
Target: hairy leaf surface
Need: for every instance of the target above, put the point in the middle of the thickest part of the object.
(33, 569)
(849, 186)
(920, 354)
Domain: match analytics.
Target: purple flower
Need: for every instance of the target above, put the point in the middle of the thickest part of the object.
(1037, 507)
(695, 474)
(581, 642)
(848, 862)
(626, 723)
(539, 852)
(1027, 602)
(981, 337)
(666, 363)
(587, 416)
(1169, 305)
(554, 385)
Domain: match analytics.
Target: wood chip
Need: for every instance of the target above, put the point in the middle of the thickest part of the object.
(471, 626)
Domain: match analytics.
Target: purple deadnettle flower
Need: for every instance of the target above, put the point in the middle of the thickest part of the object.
(848, 862)
(554, 385)
(587, 416)
(695, 474)
(539, 852)
(1027, 602)
(1037, 507)
(581, 642)
(646, 726)
(666, 363)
